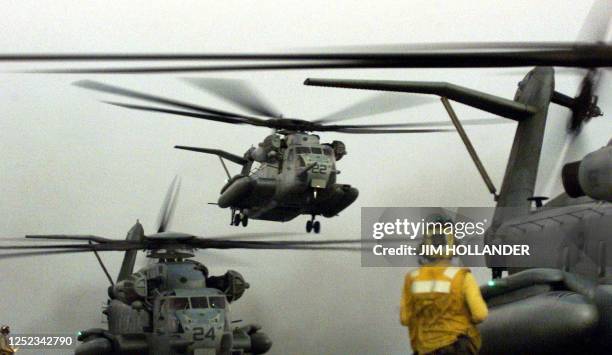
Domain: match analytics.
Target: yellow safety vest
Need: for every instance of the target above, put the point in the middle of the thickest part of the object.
(438, 310)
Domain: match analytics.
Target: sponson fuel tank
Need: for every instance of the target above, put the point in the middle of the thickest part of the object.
(341, 197)
(546, 311)
(244, 191)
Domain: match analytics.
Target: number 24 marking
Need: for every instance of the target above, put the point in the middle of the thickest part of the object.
(198, 334)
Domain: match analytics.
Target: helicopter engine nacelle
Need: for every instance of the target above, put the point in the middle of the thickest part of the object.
(231, 283)
(131, 289)
(592, 176)
(267, 150)
(251, 340)
(339, 149)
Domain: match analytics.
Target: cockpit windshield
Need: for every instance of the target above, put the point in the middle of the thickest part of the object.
(302, 150)
(178, 303)
(182, 303)
(217, 302)
(199, 302)
(316, 150)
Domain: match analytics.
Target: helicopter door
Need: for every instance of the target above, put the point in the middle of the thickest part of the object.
(289, 170)
(288, 166)
(166, 320)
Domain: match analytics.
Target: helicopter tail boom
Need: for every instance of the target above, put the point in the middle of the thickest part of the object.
(494, 104)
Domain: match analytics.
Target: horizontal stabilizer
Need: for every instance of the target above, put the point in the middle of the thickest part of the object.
(221, 153)
(480, 100)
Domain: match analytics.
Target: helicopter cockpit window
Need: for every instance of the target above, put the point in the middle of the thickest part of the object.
(178, 303)
(199, 302)
(328, 151)
(316, 150)
(217, 302)
(302, 150)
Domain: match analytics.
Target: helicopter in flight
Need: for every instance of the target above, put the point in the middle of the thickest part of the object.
(172, 305)
(280, 190)
(291, 172)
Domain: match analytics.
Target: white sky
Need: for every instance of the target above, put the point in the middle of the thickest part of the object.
(71, 164)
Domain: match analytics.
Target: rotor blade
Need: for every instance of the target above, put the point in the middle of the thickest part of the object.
(53, 246)
(41, 253)
(227, 243)
(555, 174)
(251, 235)
(255, 236)
(597, 22)
(445, 46)
(169, 205)
(92, 238)
(378, 104)
(294, 247)
(116, 246)
(524, 50)
(309, 242)
(581, 55)
(307, 54)
(115, 90)
(274, 245)
(210, 68)
(237, 92)
(384, 131)
(479, 121)
(602, 76)
(224, 119)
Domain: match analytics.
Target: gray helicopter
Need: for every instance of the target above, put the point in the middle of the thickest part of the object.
(291, 172)
(564, 305)
(279, 190)
(171, 306)
(560, 299)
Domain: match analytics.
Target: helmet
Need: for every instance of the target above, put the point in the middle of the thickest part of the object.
(5, 329)
(437, 234)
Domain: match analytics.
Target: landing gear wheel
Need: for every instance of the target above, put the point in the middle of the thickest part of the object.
(245, 221)
(309, 226)
(316, 225)
(236, 220)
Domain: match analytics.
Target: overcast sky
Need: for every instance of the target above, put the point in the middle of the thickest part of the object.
(71, 164)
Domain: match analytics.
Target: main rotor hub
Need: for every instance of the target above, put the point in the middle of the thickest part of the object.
(178, 252)
(292, 124)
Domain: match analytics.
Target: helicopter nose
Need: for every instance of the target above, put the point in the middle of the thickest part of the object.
(318, 182)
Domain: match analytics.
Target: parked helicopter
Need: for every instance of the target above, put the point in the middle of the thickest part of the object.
(571, 232)
(296, 173)
(560, 300)
(171, 306)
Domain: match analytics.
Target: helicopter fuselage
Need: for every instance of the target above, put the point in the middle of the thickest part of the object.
(295, 176)
(173, 307)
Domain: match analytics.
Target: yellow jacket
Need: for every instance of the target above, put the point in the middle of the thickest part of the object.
(439, 304)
